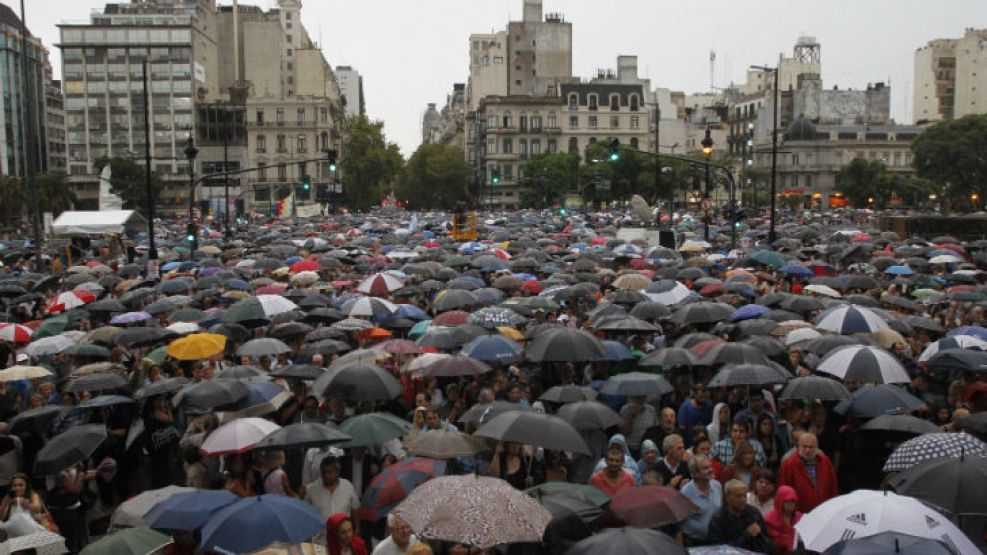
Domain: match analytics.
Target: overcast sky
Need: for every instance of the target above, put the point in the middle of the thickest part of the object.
(410, 52)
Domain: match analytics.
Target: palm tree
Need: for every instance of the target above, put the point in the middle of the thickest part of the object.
(54, 194)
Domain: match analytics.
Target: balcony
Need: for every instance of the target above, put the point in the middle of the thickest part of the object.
(552, 130)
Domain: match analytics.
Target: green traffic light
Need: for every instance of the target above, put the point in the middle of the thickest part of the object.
(332, 167)
(614, 157)
(190, 238)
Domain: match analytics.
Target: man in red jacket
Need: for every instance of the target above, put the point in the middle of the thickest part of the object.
(810, 473)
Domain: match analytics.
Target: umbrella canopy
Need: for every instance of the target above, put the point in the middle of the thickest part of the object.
(897, 543)
(847, 319)
(255, 522)
(955, 485)
(380, 284)
(931, 446)
(868, 402)
(303, 435)
(39, 543)
(652, 506)
(481, 413)
(22, 372)
(395, 482)
(357, 382)
(534, 428)
(237, 436)
(263, 346)
(868, 512)
(473, 510)
(373, 428)
(132, 541)
(197, 346)
(568, 394)
(259, 308)
(815, 387)
(69, 447)
(130, 513)
(213, 393)
(952, 342)
(905, 423)
(704, 312)
(565, 345)
(493, 349)
(188, 510)
(637, 383)
(864, 363)
(733, 375)
(589, 415)
(628, 541)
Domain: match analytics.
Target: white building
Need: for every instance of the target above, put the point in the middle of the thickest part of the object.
(351, 86)
(951, 77)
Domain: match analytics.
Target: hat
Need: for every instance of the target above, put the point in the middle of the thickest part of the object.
(648, 446)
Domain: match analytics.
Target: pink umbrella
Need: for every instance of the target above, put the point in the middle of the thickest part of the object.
(270, 290)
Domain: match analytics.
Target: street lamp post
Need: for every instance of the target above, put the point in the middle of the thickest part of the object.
(152, 250)
(658, 159)
(190, 153)
(707, 151)
(772, 236)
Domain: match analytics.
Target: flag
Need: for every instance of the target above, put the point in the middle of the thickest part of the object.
(287, 206)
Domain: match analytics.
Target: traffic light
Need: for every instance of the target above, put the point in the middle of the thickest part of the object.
(495, 176)
(562, 211)
(614, 150)
(331, 158)
(192, 236)
(306, 183)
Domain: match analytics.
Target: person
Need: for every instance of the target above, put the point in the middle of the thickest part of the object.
(672, 467)
(638, 415)
(696, 409)
(720, 424)
(419, 549)
(511, 465)
(332, 494)
(742, 468)
(23, 499)
(630, 465)
(739, 432)
(810, 473)
(399, 540)
(239, 479)
(769, 438)
(341, 538)
(707, 494)
(666, 426)
(649, 458)
(433, 421)
(762, 496)
(64, 498)
(738, 524)
(275, 478)
(781, 521)
(614, 477)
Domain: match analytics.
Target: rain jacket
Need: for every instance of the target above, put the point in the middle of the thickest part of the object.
(332, 536)
(781, 533)
(793, 473)
(630, 465)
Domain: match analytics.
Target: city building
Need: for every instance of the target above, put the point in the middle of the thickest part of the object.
(351, 87)
(54, 125)
(951, 78)
(17, 130)
(539, 51)
(447, 127)
(488, 67)
(430, 123)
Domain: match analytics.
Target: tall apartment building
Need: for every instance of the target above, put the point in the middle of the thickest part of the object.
(951, 77)
(54, 126)
(13, 88)
(539, 51)
(351, 86)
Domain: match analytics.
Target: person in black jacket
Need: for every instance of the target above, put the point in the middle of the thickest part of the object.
(738, 524)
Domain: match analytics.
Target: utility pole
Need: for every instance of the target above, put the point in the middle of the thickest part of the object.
(152, 250)
(28, 140)
(772, 235)
(658, 159)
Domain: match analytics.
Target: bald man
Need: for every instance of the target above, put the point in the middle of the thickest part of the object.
(810, 472)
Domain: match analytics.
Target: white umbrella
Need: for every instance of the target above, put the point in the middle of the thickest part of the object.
(40, 543)
(21, 372)
(237, 436)
(825, 290)
(369, 307)
(864, 363)
(667, 292)
(184, 328)
(275, 304)
(800, 335)
(48, 346)
(865, 513)
(130, 513)
(945, 259)
(952, 342)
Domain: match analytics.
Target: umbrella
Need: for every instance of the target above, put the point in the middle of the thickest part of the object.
(955, 485)
(847, 319)
(22, 372)
(444, 338)
(445, 444)
(703, 312)
(931, 446)
(627, 541)
(255, 522)
(380, 284)
(565, 345)
(450, 365)
(568, 394)
(733, 375)
(162, 387)
(484, 412)
(904, 423)
(298, 371)
(864, 363)
(958, 359)
(237, 436)
(589, 415)
(197, 346)
(263, 397)
(39, 417)
(374, 428)
(868, 402)
(473, 510)
(263, 346)
(534, 428)
(48, 345)
(669, 357)
(259, 308)
(591, 494)
(38, 543)
(74, 445)
(493, 317)
(952, 342)
(652, 506)
(637, 383)
(369, 307)
(493, 349)
(130, 513)
(15, 333)
(975, 423)
(884, 543)
(188, 510)
(69, 300)
(868, 512)
(814, 387)
(212, 393)
(357, 382)
(573, 516)
(132, 541)
(395, 482)
(303, 435)
(97, 382)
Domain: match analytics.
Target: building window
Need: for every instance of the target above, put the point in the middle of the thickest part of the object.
(634, 143)
(280, 116)
(282, 144)
(551, 121)
(260, 117)
(795, 159)
(635, 122)
(300, 115)
(261, 143)
(491, 145)
(808, 182)
(523, 148)
(324, 141)
(573, 102)
(324, 115)
(573, 144)
(593, 102)
(261, 171)
(551, 147)
(635, 103)
(535, 147)
(573, 122)
(507, 120)
(614, 103)
(289, 52)
(492, 122)
(535, 123)
(592, 122)
(614, 122)
(302, 143)
(498, 60)
(522, 123)
(508, 146)
(289, 38)
(897, 158)
(282, 172)
(508, 172)
(262, 194)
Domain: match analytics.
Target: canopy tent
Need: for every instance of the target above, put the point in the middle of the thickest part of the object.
(79, 222)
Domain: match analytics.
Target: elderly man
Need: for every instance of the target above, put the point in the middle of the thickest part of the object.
(738, 524)
(706, 493)
(672, 467)
(810, 473)
(400, 539)
(613, 478)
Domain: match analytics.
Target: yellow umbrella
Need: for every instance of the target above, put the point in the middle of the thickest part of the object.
(210, 249)
(197, 346)
(22, 372)
(510, 333)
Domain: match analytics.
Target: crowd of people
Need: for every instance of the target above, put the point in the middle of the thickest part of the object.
(750, 457)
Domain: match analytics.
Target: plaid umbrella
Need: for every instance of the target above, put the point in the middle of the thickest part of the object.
(931, 446)
(473, 510)
(394, 483)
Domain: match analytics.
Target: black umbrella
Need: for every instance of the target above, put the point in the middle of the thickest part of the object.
(565, 345)
(97, 382)
(74, 445)
(484, 412)
(955, 485)
(143, 335)
(975, 423)
(703, 312)
(959, 359)
(212, 393)
(568, 394)
(634, 384)
(302, 436)
(734, 375)
(733, 353)
(814, 388)
(591, 415)
(572, 517)
(534, 428)
(890, 542)
(628, 541)
(868, 402)
(358, 382)
(443, 338)
(162, 387)
(325, 347)
(299, 371)
(904, 423)
(670, 357)
(39, 418)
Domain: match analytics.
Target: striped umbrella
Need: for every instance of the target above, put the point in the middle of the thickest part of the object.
(847, 319)
(864, 363)
(15, 333)
(395, 482)
(70, 299)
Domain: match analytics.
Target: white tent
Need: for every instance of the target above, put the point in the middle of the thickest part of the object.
(79, 222)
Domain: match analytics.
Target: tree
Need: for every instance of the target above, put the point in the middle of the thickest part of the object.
(755, 185)
(435, 176)
(54, 194)
(12, 201)
(128, 181)
(951, 153)
(865, 182)
(550, 177)
(368, 162)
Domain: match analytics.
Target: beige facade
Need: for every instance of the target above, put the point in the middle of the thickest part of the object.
(539, 51)
(951, 77)
(488, 67)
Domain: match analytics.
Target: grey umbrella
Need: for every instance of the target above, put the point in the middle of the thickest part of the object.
(637, 383)
(72, 446)
(815, 388)
(593, 415)
(669, 357)
(900, 423)
(534, 428)
(358, 382)
(480, 413)
(703, 312)
(565, 345)
(568, 394)
(734, 375)
(303, 435)
(263, 346)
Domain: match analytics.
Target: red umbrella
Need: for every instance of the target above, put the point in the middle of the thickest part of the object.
(306, 265)
(69, 300)
(400, 347)
(394, 483)
(531, 287)
(15, 333)
(701, 348)
(452, 318)
(652, 506)
(712, 290)
(270, 290)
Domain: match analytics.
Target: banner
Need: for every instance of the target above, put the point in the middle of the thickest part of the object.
(287, 206)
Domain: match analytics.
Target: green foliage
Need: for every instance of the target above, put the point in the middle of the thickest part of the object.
(54, 194)
(12, 200)
(368, 162)
(549, 177)
(864, 182)
(127, 181)
(434, 177)
(951, 154)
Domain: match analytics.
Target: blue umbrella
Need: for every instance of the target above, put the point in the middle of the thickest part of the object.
(188, 510)
(169, 266)
(975, 331)
(899, 270)
(410, 312)
(748, 312)
(238, 284)
(130, 318)
(615, 351)
(419, 329)
(255, 522)
(494, 349)
(796, 270)
(258, 392)
(870, 402)
(175, 286)
(526, 277)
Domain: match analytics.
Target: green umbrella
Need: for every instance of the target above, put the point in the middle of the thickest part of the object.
(130, 541)
(88, 351)
(769, 258)
(187, 315)
(158, 355)
(51, 327)
(592, 494)
(375, 428)
(180, 249)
